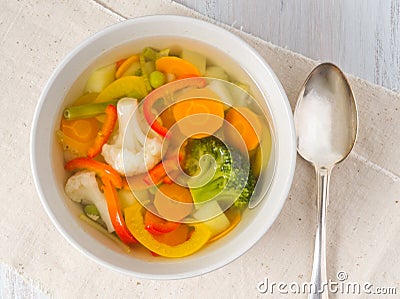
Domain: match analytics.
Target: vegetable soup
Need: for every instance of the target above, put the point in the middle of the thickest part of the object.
(163, 151)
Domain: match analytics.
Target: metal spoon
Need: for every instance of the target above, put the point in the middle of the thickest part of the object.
(326, 125)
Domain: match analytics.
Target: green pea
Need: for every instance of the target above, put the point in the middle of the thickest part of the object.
(92, 212)
(157, 79)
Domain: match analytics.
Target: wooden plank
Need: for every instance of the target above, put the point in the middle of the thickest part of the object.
(361, 36)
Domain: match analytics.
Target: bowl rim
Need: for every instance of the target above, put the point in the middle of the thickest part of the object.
(290, 155)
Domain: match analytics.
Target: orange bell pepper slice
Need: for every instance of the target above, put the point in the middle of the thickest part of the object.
(120, 62)
(106, 130)
(114, 210)
(101, 169)
(121, 68)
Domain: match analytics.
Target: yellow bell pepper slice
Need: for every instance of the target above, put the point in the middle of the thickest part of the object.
(131, 86)
(135, 222)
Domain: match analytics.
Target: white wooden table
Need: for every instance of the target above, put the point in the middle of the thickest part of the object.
(360, 36)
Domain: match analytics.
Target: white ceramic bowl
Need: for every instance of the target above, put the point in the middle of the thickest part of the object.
(120, 40)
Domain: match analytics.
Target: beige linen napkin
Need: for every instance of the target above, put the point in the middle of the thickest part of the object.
(364, 211)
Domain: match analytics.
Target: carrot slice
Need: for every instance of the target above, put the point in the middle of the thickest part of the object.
(158, 93)
(247, 123)
(198, 101)
(175, 237)
(69, 144)
(177, 66)
(82, 130)
(173, 202)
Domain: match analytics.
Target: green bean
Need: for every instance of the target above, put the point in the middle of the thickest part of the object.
(157, 79)
(87, 110)
(145, 75)
(149, 53)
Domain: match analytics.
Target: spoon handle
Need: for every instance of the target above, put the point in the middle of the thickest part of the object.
(319, 280)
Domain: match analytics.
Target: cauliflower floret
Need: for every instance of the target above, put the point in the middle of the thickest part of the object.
(82, 187)
(131, 152)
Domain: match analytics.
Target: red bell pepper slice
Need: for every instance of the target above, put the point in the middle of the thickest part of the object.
(106, 130)
(157, 174)
(158, 93)
(101, 169)
(154, 254)
(114, 210)
(167, 180)
(156, 225)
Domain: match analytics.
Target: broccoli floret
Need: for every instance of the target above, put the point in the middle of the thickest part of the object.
(244, 198)
(230, 171)
(197, 148)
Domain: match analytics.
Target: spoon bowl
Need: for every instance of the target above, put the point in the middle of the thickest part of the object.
(326, 126)
(325, 117)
